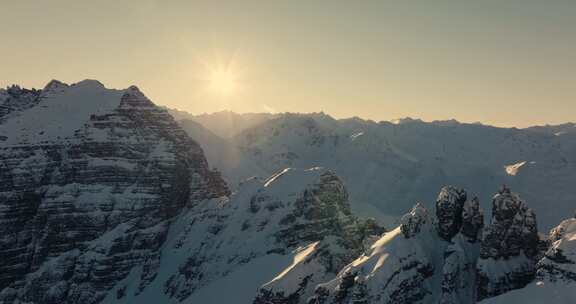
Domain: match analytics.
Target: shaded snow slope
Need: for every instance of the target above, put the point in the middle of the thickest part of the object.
(60, 111)
(287, 233)
(386, 166)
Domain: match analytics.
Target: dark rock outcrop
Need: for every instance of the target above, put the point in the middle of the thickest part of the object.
(472, 220)
(449, 206)
(427, 259)
(509, 247)
(412, 222)
(15, 98)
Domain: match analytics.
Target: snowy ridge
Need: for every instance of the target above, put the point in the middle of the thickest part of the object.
(75, 102)
(282, 225)
(409, 161)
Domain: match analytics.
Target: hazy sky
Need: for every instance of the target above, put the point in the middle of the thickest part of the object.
(504, 62)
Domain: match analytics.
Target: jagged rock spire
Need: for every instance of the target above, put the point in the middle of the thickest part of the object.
(511, 235)
(412, 222)
(449, 206)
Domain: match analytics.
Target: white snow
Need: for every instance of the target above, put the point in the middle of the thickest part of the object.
(538, 293)
(60, 113)
(513, 168)
(356, 135)
(275, 177)
(301, 254)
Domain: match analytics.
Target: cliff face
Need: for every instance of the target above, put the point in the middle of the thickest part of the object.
(510, 246)
(446, 256)
(86, 198)
(429, 258)
(555, 280)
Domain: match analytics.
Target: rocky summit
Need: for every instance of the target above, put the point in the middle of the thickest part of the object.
(87, 198)
(510, 246)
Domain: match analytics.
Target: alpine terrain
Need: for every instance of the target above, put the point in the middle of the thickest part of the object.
(106, 197)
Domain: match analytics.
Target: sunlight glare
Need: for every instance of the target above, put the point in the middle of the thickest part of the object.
(223, 81)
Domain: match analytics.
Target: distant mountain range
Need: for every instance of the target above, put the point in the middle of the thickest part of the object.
(389, 166)
(107, 198)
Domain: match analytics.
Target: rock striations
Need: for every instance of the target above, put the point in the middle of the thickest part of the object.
(84, 205)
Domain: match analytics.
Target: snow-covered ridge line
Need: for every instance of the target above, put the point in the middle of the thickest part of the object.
(55, 112)
(408, 161)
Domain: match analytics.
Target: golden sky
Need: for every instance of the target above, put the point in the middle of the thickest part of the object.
(502, 62)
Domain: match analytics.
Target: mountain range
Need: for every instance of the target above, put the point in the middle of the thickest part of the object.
(388, 166)
(107, 198)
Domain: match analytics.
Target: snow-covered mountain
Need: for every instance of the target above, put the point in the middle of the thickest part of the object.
(90, 179)
(443, 256)
(106, 198)
(387, 166)
(225, 124)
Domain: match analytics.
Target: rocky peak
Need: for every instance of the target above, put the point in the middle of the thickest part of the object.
(413, 222)
(509, 246)
(322, 211)
(449, 206)
(54, 86)
(559, 262)
(321, 215)
(135, 99)
(83, 210)
(14, 99)
(512, 230)
(89, 83)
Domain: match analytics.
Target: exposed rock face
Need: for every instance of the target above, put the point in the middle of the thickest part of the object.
(412, 222)
(455, 268)
(449, 206)
(459, 269)
(427, 259)
(556, 272)
(559, 262)
(509, 248)
(472, 220)
(14, 99)
(321, 215)
(81, 208)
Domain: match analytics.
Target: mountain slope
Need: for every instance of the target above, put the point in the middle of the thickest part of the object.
(265, 232)
(225, 124)
(441, 257)
(408, 161)
(90, 181)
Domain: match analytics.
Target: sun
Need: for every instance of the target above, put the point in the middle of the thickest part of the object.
(223, 80)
